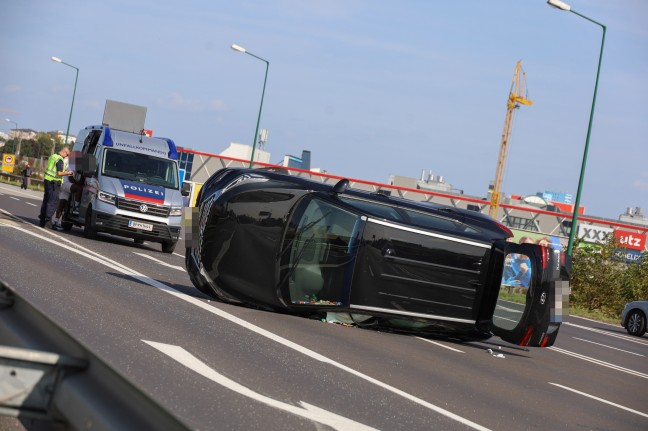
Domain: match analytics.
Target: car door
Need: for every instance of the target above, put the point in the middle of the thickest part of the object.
(532, 289)
(419, 273)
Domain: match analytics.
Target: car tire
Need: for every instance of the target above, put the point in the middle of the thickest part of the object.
(636, 323)
(89, 231)
(168, 246)
(196, 278)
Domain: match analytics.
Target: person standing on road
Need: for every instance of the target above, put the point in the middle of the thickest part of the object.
(26, 174)
(72, 185)
(52, 181)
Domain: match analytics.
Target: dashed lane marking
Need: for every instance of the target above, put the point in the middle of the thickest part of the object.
(599, 362)
(600, 400)
(159, 262)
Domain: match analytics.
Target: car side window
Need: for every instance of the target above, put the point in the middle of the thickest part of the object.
(321, 254)
(433, 222)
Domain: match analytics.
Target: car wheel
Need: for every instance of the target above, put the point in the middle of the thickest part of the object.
(168, 246)
(88, 230)
(636, 323)
(194, 275)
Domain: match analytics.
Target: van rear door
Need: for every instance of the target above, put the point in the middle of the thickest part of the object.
(529, 306)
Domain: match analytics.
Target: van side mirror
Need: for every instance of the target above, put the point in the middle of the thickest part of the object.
(186, 189)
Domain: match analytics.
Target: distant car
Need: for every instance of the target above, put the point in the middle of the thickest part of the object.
(633, 317)
(284, 243)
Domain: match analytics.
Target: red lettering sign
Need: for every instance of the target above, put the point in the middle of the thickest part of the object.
(631, 240)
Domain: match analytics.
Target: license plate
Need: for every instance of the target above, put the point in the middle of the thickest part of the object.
(139, 225)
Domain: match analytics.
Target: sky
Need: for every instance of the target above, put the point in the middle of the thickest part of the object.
(372, 88)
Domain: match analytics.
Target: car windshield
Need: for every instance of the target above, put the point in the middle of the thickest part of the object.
(141, 168)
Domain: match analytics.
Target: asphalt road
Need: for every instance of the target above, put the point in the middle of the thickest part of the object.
(219, 366)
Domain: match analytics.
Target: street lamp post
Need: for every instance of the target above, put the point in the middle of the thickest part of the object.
(572, 233)
(256, 131)
(58, 60)
(17, 136)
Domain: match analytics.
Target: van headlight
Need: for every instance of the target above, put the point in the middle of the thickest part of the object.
(107, 197)
(176, 211)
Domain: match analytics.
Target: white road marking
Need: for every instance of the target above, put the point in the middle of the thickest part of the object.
(159, 262)
(594, 321)
(599, 362)
(14, 198)
(180, 255)
(29, 203)
(441, 345)
(611, 334)
(87, 253)
(609, 347)
(13, 190)
(306, 410)
(505, 318)
(510, 310)
(601, 400)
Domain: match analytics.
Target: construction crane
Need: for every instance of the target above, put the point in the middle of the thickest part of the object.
(515, 99)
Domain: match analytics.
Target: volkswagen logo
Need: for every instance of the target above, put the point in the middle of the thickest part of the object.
(143, 208)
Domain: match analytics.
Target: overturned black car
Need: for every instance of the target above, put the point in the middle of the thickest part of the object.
(281, 242)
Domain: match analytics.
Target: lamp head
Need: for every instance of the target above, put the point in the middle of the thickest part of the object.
(559, 5)
(235, 47)
(56, 59)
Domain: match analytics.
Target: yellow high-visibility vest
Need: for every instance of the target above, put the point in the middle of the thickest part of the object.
(51, 171)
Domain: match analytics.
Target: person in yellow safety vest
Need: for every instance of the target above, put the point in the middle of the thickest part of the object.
(52, 181)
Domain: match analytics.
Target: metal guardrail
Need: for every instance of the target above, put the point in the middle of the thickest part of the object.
(46, 375)
(18, 179)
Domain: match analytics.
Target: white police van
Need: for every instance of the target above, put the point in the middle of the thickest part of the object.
(132, 187)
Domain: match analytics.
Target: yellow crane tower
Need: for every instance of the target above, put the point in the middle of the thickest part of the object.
(515, 99)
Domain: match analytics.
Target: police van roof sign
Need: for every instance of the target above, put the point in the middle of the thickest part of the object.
(124, 116)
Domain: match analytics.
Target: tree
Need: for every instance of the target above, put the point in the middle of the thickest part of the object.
(601, 280)
(10, 146)
(47, 144)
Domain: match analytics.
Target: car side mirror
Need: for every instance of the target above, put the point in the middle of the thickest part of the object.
(186, 189)
(340, 186)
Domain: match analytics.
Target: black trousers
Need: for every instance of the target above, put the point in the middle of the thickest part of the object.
(50, 200)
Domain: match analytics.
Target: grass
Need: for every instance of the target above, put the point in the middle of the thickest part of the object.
(575, 310)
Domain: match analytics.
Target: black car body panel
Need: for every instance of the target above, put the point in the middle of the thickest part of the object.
(285, 243)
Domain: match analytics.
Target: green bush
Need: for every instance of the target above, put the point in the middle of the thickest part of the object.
(603, 282)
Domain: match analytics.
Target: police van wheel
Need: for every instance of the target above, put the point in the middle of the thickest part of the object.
(168, 246)
(88, 230)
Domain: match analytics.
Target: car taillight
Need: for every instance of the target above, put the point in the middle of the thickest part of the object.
(545, 257)
(527, 336)
(508, 231)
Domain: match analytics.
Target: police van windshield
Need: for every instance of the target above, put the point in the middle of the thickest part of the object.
(141, 168)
